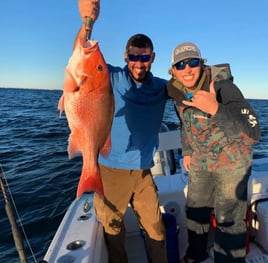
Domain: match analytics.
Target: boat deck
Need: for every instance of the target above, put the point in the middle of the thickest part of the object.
(79, 238)
(256, 254)
(137, 253)
(136, 250)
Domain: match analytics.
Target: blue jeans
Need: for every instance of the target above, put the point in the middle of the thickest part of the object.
(227, 195)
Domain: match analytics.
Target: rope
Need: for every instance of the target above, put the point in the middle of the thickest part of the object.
(10, 208)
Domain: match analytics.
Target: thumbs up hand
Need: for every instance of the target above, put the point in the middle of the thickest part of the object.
(204, 100)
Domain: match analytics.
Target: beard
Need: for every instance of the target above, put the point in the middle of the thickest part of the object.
(139, 77)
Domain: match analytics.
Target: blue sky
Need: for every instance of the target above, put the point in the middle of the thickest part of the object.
(37, 37)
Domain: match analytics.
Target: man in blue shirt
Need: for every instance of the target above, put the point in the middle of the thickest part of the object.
(139, 106)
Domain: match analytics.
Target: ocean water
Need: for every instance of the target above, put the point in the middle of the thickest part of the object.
(40, 177)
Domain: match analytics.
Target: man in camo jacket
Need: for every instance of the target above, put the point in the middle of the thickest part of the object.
(218, 131)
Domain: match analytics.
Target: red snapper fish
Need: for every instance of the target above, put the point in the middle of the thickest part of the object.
(88, 103)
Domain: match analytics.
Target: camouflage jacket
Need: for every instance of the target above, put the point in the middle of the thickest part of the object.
(221, 142)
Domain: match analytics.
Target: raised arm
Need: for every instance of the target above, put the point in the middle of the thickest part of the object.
(89, 11)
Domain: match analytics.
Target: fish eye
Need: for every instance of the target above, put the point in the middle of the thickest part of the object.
(99, 68)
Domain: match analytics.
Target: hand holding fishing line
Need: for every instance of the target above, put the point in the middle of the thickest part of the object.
(204, 100)
(89, 11)
(89, 8)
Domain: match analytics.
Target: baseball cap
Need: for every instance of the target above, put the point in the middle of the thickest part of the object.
(184, 51)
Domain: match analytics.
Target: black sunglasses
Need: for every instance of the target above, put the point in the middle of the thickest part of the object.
(142, 58)
(195, 62)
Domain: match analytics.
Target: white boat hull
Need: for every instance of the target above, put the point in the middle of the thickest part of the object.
(79, 238)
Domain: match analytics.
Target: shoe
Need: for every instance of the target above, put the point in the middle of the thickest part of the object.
(187, 260)
(208, 260)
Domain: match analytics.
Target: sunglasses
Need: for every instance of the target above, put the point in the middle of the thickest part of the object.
(142, 58)
(193, 63)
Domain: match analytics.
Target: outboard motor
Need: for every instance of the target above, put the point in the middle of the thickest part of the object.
(163, 159)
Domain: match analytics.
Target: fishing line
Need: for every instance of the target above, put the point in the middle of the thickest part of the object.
(9, 210)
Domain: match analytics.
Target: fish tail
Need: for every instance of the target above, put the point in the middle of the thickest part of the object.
(90, 182)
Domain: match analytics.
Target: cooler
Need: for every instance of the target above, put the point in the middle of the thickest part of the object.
(262, 231)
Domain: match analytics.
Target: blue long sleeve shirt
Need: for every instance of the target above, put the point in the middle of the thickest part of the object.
(139, 109)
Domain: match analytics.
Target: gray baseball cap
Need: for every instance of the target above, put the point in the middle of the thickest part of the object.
(184, 51)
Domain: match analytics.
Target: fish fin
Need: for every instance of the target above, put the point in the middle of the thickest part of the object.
(61, 104)
(105, 150)
(72, 147)
(90, 181)
(70, 84)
